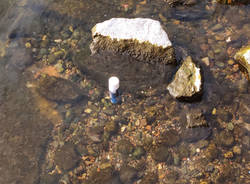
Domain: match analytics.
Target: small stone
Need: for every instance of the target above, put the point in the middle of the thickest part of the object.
(128, 174)
(230, 62)
(125, 147)
(195, 118)
(187, 81)
(95, 134)
(205, 60)
(138, 152)
(88, 110)
(66, 157)
(211, 152)
(162, 154)
(237, 150)
(111, 127)
(229, 154)
(209, 168)
(230, 126)
(225, 138)
(169, 138)
(217, 27)
(59, 67)
(28, 45)
(214, 111)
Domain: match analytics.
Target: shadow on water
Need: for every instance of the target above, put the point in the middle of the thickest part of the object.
(134, 75)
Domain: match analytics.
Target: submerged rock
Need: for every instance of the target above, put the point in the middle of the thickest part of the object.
(59, 89)
(66, 157)
(161, 153)
(187, 81)
(128, 174)
(196, 134)
(195, 118)
(104, 176)
(243, 56)
(141, 38)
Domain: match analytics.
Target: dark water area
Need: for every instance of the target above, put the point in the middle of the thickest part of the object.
(57, 122)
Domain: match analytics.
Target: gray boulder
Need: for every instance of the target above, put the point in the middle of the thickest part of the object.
(187, 81)
(141, 38)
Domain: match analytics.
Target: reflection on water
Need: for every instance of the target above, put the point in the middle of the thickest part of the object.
(46, 138)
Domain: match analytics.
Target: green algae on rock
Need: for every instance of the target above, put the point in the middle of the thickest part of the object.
(141, 38)
(243, 56)
(187, 81)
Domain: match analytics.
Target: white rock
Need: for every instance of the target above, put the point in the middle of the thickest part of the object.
(141, 38)
(141, 29)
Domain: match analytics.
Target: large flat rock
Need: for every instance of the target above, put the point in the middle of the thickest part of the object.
(141, 38)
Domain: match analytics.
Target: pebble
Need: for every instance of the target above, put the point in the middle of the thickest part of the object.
(28, 45)
(229, 154)
(237, 150)
(88, 111)
(205, 60)
(230, 126)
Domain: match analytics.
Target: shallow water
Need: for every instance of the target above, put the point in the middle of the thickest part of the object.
(44, 140)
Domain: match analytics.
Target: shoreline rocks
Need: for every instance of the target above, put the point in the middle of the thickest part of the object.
(243, 57)
(141, 38)
(187, 81)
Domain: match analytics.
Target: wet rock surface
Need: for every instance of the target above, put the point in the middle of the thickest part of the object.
(141, 38)
(187, 81)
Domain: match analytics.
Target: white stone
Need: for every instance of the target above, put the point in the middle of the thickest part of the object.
(140, 29)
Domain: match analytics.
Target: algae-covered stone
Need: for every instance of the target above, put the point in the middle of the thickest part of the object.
(59, 89)
(187, 81)
(141, 38)
(243, 56)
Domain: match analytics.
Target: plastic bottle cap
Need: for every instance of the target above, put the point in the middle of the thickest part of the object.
(113, 84)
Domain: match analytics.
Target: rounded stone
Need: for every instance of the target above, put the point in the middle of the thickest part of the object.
(162, 154)
(125, 147)
(169, 138)
(237, 150)
(66, 157)
(225, 138)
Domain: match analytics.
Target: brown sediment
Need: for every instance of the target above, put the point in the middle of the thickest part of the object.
(144, 51)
